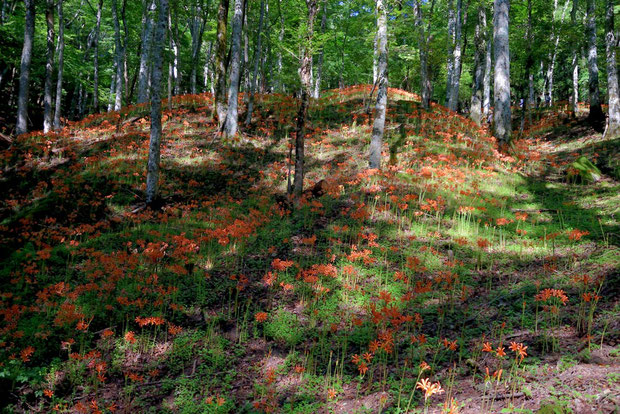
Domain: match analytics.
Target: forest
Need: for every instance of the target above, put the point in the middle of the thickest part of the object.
(310, 206)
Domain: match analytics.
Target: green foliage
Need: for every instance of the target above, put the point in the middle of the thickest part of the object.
(284, 327)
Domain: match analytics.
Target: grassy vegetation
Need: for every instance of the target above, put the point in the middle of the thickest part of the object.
(456, 278)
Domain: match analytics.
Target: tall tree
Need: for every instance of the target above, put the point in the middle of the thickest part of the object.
(305, 75)
(451, 39)
(61, 65)
(143, 76)
(197, 25)
(152, 177)
(455, 80)
(425, 80)
(613, 117)
(319, 71)
(486, 90)
(96, 57)
(220, 62)
(575, 63)
(596, 112)
(502, 115)
(257, 58)
(49, 68)
(231, 123)
(24, 74)
(479, 66)
(120, 58)
(376, 142)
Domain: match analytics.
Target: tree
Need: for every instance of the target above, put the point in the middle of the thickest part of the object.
(152, 178)
(305, 75)
(376, 141)
(120, 59)
(502, 115)
(231, 122)
(61, 65)
(220, 62)
(596, 112)
(423, 46)
(613, 117)
(479, 66)
(257, 57)
(49, 68)
(96, 57)
(147, 23)
(24, 74)
(457, 59)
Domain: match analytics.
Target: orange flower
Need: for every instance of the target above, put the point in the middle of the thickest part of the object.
(130, 337)
(260, 317)
(331, 394)
(428, 388)
(500, 351)
(486, 347)
(26, 353)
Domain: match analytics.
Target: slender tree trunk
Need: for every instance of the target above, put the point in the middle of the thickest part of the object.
(231, 123)
(488, 67)
(305, 75)
(502, 115)
(479, 65)
(96, 57)
(143, 76)
(152, 177)
(197, 28)
(451, 40)
(425, 86)
(112, 87)
(575, 64)
(220, 62)
(49, 68)
(553, 54)
(120, 59)
(376, 142)
(596, 112)
(319, 70)
(257, 58)
(280, 87)
(245, 68)
(207, 70)
(613, 118)
(61, 65)
(24, 75)
(529, 64)
(176, 74)
(453, 102)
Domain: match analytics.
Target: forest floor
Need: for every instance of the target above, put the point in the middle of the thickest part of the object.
(494, 277)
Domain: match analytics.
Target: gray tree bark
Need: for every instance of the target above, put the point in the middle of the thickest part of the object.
(451, 39)
(231, 123)
(24, 74)
(96, 57)
(197, 28)
(145, 53)
(120, 59)
(305, 75)
(319, 70)
(502, 115)
(220, 63)
(488, 67)
(257, 58)
(376, 141)
(479, 66)
(596, 112)
(61, 65)
(455, 81)
(49, 68)
(575, 64)
(152, 177)
(613, 114)
(425, 86)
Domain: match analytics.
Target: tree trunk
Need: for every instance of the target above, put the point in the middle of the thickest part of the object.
(24, 74)
(451, 39)
(96, 57)
(112, 87)
(220, 62)
(120, 59)
(479, 62)
(575, 64)
(305, 75)
(488, 66)
(257, 58)
(376, 142)
(174, 36)
(280, 87)
(49, 68)
(529, 65)
(61, 65)
(596, 112)
(152, 177)
(208, 82)
(502, 116)
(143, 76)
(425, 86)
(231, 123)
(453, 102)
(613, 118)
(553, 54)
(197, 28)
(319, 70)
